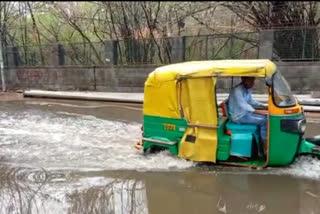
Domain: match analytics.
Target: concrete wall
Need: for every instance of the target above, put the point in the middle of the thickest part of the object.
(97, 78)
(303, 78)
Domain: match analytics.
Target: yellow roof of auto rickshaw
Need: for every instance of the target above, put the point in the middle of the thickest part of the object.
(240, 67)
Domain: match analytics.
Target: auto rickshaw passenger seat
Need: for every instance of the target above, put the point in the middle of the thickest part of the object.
(242, 135)
(235, 126)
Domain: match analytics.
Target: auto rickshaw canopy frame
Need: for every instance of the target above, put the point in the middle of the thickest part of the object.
(214, 68)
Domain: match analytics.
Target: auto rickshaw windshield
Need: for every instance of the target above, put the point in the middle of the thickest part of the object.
(282, 95)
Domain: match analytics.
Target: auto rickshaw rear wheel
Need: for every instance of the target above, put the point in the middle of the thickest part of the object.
(153, 149)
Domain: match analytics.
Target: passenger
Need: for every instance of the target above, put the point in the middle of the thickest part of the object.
(242, 107)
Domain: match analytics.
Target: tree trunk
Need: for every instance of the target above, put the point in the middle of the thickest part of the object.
(1, 56)
(36, 30)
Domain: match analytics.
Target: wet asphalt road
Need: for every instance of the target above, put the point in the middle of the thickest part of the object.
(59, 156)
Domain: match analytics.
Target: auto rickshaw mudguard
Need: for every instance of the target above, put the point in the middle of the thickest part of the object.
(307, 147)
(315, 140)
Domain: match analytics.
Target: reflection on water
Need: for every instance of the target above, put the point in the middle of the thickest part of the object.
(116, 197)
(20, 189)
(25, 190)
(195, 192)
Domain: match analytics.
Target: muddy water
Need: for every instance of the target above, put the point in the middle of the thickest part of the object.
(77, 157)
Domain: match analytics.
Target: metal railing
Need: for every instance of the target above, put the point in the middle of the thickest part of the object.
(222, 46)
(296, 44)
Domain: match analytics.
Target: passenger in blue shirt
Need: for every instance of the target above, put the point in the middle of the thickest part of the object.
(242, 107)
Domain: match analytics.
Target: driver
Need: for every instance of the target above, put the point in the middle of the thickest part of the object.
(242, 107)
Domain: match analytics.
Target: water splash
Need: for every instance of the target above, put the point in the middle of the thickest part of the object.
(72, 141)
(305, 167)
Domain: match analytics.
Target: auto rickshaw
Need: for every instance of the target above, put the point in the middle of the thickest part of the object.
(180, 113)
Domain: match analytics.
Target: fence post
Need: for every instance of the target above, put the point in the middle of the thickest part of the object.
(266, 38)
(178, 45)
(16, 56)
(183, 48)
(3, 78)
(61, 55)
(111, 51)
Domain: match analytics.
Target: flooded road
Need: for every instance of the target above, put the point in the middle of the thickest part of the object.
(60, 156)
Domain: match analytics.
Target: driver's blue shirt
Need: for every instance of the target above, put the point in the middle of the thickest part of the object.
(240, 102)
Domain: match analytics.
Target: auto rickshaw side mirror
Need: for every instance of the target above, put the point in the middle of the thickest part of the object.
(268, 81)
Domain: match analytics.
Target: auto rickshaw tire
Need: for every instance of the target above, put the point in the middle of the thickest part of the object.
(156, 149)
(315, 156)
(153, 149)
(146, 151)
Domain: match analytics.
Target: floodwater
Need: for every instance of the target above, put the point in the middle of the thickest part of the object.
(60, 156)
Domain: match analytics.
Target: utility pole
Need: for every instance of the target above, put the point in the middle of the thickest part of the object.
(1, 56)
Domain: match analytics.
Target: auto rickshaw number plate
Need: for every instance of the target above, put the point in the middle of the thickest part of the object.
(169, 127)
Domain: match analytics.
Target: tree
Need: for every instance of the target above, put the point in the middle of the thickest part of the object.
(70, 16)
(36, 32)
(282, 17)
(145, 27)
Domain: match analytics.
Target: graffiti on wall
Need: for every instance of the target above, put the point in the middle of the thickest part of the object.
(29, 75)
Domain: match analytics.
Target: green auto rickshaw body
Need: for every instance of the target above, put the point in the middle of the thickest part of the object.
(180, 113)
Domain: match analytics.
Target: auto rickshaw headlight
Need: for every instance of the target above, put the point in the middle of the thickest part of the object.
(302, 125)
(293, 125)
